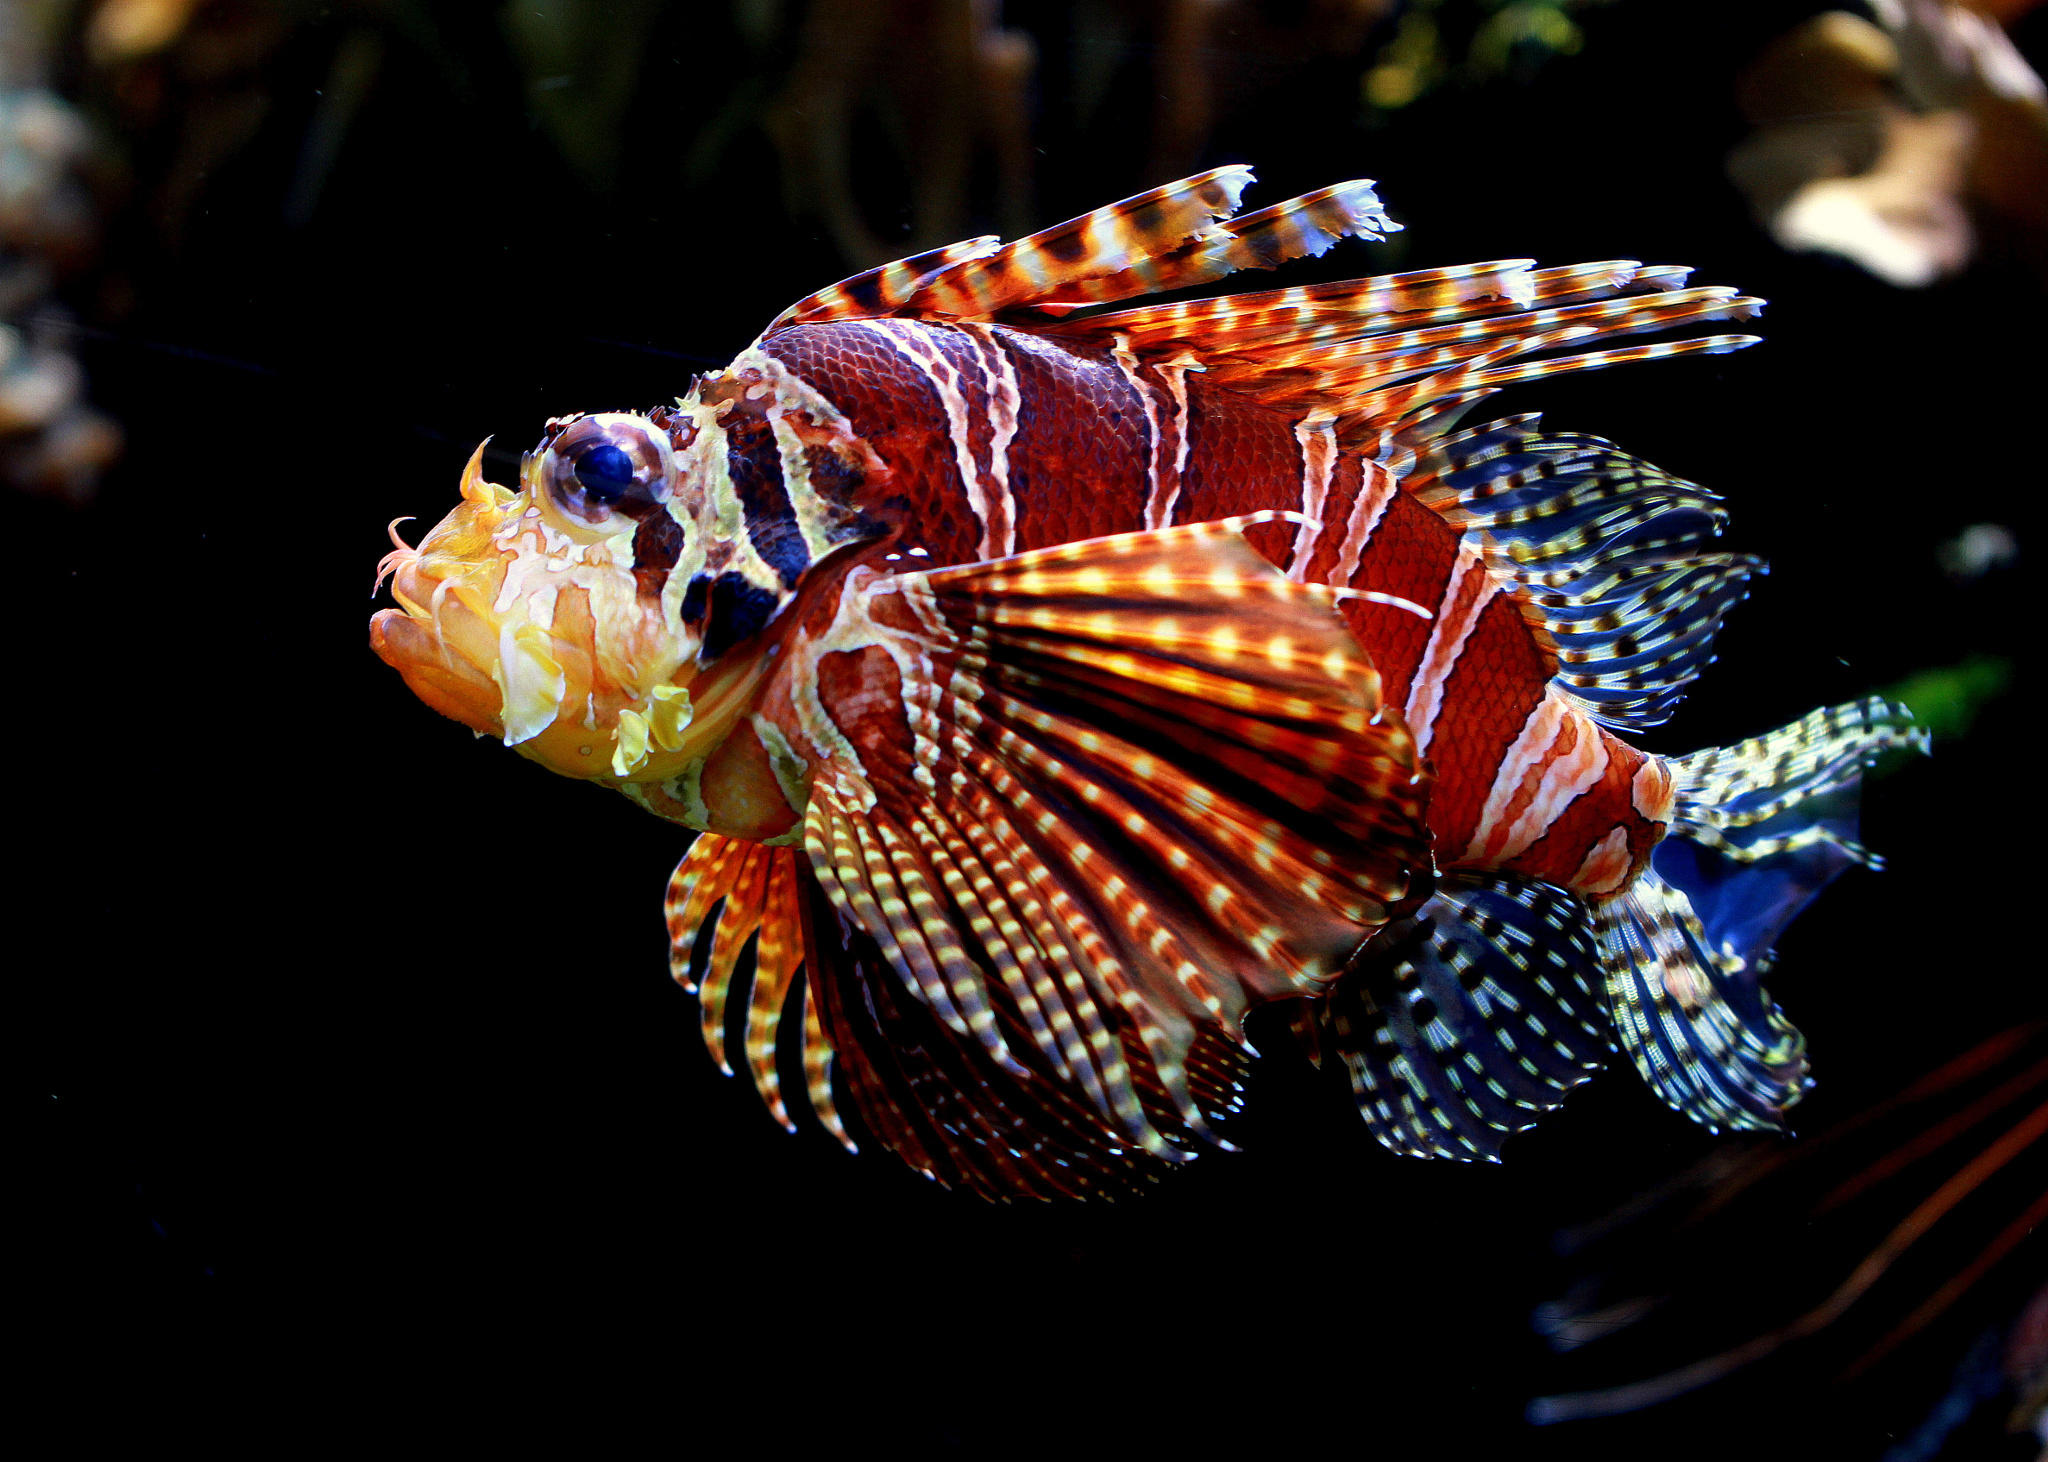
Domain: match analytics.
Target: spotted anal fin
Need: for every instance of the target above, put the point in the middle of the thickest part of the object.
(1089, 805)
(754, 890)
(1463, 1022)
(1757, 831)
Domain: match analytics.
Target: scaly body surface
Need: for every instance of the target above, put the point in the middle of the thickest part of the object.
(1030, 420)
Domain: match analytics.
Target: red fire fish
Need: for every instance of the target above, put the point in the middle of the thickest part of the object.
(1050, 684)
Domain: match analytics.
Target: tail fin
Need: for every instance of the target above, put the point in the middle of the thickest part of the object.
(1757, 831)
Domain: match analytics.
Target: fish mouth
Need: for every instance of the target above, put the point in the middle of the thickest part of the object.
(457, 645)
(442, 647)
(547, 647)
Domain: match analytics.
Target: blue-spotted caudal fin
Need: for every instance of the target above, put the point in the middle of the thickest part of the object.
(1466, 1021)
(1757, 830)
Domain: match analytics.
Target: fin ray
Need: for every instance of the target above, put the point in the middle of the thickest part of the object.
(1608, 557)
(980, 279)
(1757, 831)
(1466, 1020)
(754, 890)
(1300, 227)
(1106, 796)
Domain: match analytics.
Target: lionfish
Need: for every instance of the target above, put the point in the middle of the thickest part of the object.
(1051, 680)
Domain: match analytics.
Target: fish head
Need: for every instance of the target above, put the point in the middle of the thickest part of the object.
(572, 617)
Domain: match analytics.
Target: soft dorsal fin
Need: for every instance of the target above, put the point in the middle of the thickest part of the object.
(1610, 558)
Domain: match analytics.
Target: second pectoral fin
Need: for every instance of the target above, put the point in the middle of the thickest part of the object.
(1092, 803)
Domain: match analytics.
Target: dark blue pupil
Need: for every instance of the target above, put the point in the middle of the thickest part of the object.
(605, 472)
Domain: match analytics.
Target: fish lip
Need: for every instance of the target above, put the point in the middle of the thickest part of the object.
(413, 639)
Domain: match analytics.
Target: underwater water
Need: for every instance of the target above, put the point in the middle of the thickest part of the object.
(359, 1089)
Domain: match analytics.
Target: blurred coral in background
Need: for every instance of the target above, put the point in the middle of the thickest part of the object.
(1901, 142)
(944, 95)
(1455, 44)
(939, 81)
(51, 441)
(124, 30)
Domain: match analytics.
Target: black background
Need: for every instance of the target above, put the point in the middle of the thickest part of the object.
(362, 1098)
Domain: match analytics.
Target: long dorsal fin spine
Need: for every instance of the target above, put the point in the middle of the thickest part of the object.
(977, 281)
(1300, 227)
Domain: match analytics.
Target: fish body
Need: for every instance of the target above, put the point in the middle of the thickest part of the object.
(1050, 684)
(1028, 419)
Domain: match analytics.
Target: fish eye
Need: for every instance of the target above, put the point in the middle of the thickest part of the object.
(601, 465)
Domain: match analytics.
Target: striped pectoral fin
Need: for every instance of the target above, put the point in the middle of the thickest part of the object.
(745, 897)
(962, 1120)
(1089, 805)
(1464, 1022)
(1757, 830)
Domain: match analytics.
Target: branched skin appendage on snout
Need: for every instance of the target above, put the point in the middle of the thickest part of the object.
(620, 616)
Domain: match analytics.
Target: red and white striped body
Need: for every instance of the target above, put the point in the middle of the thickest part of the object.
(998, 441)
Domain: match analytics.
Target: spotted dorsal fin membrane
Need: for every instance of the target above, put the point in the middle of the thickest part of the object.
(887, 289)
(1465, 1021)
(753, 890)
(1757, 831)
(1090, 804)
(1229, 329)
(1611, 558)
(1607, 558)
